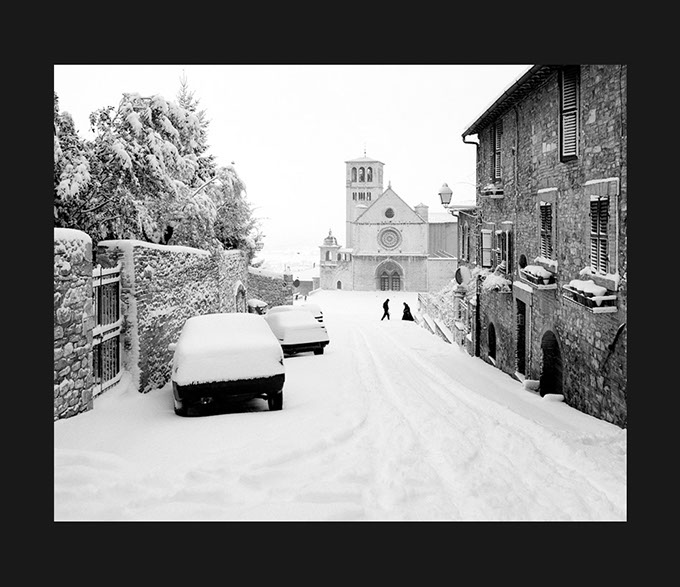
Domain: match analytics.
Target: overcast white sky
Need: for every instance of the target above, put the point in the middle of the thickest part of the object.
(290, 128)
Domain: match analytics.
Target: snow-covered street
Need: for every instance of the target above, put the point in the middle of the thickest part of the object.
(391, 423)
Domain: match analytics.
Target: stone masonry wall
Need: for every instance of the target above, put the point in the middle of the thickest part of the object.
(73, 323)
(274, 288)
(593, 346)
(496, 309)
(163, 286)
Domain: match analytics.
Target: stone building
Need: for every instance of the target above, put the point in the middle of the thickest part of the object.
(542, 284)
(388, 244)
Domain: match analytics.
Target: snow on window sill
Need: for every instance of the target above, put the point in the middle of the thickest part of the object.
(603, 304)
(538, 282)
(549, 264)
(609, 281)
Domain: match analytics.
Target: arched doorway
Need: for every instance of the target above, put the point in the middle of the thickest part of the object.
(492, 341)
(240, 297)
(339, 285)
(551, 371)
(389, 276)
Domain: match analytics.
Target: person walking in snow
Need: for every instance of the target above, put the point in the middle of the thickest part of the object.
(407, 313)
(386, 308)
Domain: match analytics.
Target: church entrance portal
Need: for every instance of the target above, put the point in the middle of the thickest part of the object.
(389, 276)
(390, 281)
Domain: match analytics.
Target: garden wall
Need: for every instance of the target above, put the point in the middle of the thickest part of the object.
(162, 286)
(274, 288)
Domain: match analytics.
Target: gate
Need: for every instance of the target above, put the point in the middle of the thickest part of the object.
(106, 339)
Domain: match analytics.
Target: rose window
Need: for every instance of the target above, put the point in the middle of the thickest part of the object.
(389, 238)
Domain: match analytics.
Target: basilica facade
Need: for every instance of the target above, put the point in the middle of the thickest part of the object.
(388, 244)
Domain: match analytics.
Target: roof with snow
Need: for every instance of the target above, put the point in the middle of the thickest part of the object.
(525, 84)
(440, 218)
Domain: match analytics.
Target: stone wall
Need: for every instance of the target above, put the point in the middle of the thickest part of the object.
(274, 288)
(73, 323)
(163, 286)
(593, 354)
(440, 272)
(496, 308)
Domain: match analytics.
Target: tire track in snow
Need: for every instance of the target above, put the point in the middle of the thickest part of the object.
(548, 446)
(476, 465)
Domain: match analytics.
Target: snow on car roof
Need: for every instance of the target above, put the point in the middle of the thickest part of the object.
(296, 316)
(226, 347)
(275, 309)
(255, 303)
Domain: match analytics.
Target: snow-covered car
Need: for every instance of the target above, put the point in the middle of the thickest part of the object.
(256, 306)
(315, 309)
(222, 357)
(298, 331)
(310, 307)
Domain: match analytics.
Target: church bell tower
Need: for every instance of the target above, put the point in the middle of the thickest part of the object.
(363, 185)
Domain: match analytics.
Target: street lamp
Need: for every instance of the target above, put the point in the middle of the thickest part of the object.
(445, 194)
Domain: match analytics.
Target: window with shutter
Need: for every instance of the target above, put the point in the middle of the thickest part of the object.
(496, 132)
(546, 229)
(599, 220)
(499, 246)
(486, 248)
(508, 251)
(569, 108)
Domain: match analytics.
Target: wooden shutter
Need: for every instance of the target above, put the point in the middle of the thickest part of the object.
(508, 251)
(499, 246)
(486, 248)
(496, 131)
(599, 222)
(546, 229)
(569, 112)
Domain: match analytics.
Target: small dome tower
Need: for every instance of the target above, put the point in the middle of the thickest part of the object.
(329, 250)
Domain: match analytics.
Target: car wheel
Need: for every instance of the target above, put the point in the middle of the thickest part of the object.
(318, 351)
(180, 408)
(275, 400)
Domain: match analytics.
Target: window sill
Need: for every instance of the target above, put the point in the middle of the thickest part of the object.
(538, 282)
(603, 281)
(596, 304)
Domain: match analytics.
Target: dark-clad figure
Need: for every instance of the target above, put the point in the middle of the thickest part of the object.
(386, 308)
(407, 313)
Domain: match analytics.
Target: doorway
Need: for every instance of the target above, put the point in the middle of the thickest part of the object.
(492, 342)
(521, 337)
(551, 372)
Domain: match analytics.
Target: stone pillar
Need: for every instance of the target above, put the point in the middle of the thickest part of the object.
(73, 323)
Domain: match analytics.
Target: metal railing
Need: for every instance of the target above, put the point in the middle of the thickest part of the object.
(106, 334)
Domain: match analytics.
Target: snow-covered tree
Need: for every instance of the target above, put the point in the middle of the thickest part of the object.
(145, 161)
(236, 227)
(147, 175)
(71, 170)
